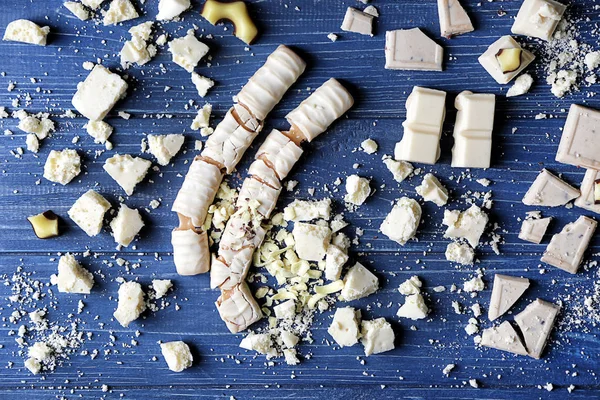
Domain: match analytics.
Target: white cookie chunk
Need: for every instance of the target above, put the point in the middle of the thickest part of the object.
(161, 287)
(432, 190)
(359, 282)
(77, 9)
(127, 171)
(377, 336)
(177, 355)
(99, 130)
(202, 83)
(98, 93)
(131, 303)
(119, 11)
(311, 241)
(468, 224)
(357, 189)
(304, 210)
(414, 307)
(400, 169)
(335, 260)
(507, 290)
(164, 147)
(62, 166)
(402, 222)
(72, 277)
(187, 51)
(126, 225)
(169, 9)
(24, 31)
(88, 212)
(344, 328)
(460, 253)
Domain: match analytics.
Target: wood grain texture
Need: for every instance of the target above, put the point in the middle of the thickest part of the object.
(414, 368)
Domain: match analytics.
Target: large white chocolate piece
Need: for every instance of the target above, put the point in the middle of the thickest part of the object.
(453, 18)
(566, 248)
(536, 322)
(580, 141)
(326, 104)
(401, 224)
(550, 191)
(190, 251)
(425, 112)
(538, 18)
(473, 130)
(98, 93)
(490, 63)
(503, 337)
(358, 22)
(507, 290)
(238, 308)
(411, 49)
(268, 85)
(533, 230)
(587, 199)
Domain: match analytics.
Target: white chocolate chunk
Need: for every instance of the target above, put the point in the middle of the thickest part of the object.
(288, 338)
(93, 4)
(588, 186)
(202, 119)
(268, 85)
(131, 303)
(126, 225)
(260, 342)
(62, 166)
(536, 322)
(238, 308)
(473, 130)
(127, 171)
(161, 287)
(326, 104)
(24, 31)
(191, 255)
(285, 310)
(401, 224)
(33, 365)
(399, 169)
(119, 11)
(521, 86)
(538, 18)
(311, 241)
(164, 147)
(460, 253)
(142, 32)
(40, 351)
(99, 130)
(411, 49)
(425, 112)
(489, 61)
(32, 142)
(77, 9)
(169, 9)
(533, 230)
(414, 307)
(566, 249)
(187, 51)
(358, 22)
(72, 277)
(30, 124)
(369, 146)
(357, 190)
(203, 84)
(98, 93)
(291, 356)
(468, 224)
(550, 191)
(88, 212)
(258, 196)
(177, 355)
(453, 18)
(507, 290)
(359, 282)
(432, 190)
(335, 260)
(305, 210)
(136, 51)
(280, 152)
(410, 286)
(503, 337)
(377, 336)
(579, 144)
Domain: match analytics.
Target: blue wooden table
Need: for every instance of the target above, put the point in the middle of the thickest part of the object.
(222, 369)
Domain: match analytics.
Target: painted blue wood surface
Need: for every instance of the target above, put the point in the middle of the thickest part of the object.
(414, 368)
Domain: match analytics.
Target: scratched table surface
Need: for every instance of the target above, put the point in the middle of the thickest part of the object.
(221, 369)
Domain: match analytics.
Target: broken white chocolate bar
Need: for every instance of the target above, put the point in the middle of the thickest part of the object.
(507, 290)
(473, 130)
(590, 191)
(453, 18)
(550, 191)
(503, 337)
(536, 322)
(190, 251)
(580, 141)
(238, 308)
(358, 22)
(566, 248)
(505, 59)
(411, 49)
(425, 112)
(538, 18)
(533, 230)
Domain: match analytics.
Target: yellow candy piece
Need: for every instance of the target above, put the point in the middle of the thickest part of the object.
(236, 12)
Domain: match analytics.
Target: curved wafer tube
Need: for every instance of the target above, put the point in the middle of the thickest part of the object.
(258, 196)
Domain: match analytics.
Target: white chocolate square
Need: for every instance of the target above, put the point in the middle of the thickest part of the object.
(489, 62)
(473, 130)
(411, 49)
(538, 18)
(358, 22)
(580, 141)
(453, 18)
(536, 322)
(587, 199)
(566, 248)
(550, 191)
(533, 230)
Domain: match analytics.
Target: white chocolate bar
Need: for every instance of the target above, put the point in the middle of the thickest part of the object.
(226, 276)
(536, 322)
(473, 130)
(507, 290)
(411, 49)
(453, 18)
(261, 170)
(538, 18)
(326, 104)
(238, 308)
(425, 112)
(580, 141)
(280, 152)
(255, 191)
(268, 85)
(503, 337)
(358, 22)
(198, 191)
(533, 230)
(566, 248)
(550, 191)
(490, 63)
(190, 251)
(587, 199)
